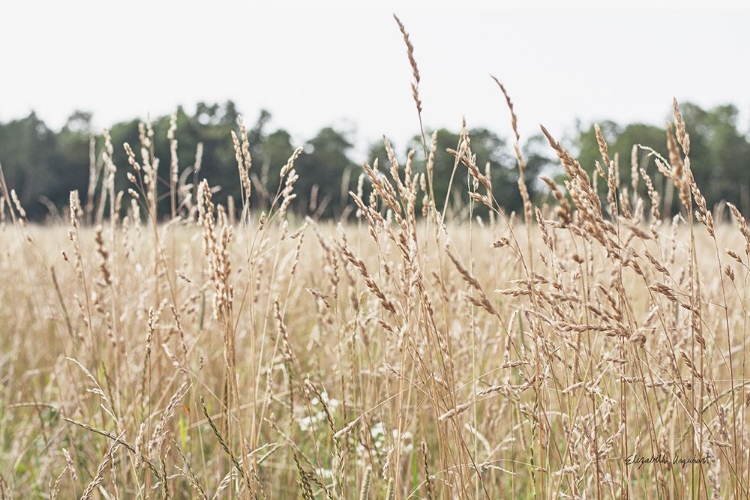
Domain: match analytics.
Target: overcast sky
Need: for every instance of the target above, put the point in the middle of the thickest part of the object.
(345, 64)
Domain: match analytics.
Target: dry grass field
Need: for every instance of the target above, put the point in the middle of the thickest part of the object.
(589, 349)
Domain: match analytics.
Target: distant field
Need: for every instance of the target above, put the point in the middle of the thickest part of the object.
(576, 351)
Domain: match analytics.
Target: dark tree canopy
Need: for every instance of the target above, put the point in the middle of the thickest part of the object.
(43, 165)
(719, 153)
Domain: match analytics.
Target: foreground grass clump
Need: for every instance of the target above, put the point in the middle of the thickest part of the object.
(590, 351)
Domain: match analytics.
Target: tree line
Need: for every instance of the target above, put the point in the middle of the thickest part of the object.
(43, 166)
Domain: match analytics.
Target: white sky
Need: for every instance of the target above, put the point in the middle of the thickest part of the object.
(344, 63)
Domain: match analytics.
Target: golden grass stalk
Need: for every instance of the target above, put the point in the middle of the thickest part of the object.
(415, 82)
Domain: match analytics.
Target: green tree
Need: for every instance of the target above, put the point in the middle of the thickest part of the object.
(70, 164)
(451, 181)
(326, 174)
(490, 149)
(216, 114)
(211, 125)
(276, 149)
(27, 151)
(719, 154)
(620, 141)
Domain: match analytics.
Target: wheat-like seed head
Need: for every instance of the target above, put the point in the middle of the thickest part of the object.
(412, 63)
(19, 208)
